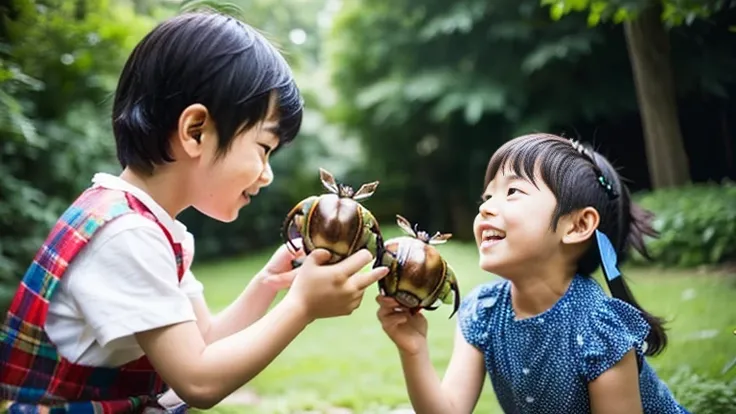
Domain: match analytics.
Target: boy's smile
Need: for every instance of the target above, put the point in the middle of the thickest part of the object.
(225, 183)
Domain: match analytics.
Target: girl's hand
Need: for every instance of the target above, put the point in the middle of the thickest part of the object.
(409, 332)
(278, 274)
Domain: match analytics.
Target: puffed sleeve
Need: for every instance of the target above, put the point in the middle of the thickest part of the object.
(610, 332)
(475, 311)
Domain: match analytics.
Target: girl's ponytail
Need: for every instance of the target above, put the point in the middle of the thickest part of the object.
(626, 224)
(636, 223)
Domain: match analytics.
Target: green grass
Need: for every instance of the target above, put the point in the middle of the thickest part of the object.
(349, 362)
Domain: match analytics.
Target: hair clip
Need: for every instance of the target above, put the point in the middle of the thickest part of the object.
(607, 186)
(577, 146)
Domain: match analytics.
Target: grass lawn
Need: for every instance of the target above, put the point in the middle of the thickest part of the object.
(349, 362)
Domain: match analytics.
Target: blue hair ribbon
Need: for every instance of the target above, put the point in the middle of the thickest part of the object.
(608, 256)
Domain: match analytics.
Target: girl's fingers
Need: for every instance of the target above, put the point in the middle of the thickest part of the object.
(391, 321)
(386, 301)
(384, 311)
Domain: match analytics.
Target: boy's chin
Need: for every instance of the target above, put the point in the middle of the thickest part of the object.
(223, 216)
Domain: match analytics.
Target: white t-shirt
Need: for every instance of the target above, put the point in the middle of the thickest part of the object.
(124, 281)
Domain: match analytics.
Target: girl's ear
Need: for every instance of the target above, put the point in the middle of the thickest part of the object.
(580, 225)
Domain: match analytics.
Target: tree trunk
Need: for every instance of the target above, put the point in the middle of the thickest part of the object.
(730, 170)
(649, 53)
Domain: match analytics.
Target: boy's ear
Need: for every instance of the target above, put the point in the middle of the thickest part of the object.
(193, 129)
(580, 225)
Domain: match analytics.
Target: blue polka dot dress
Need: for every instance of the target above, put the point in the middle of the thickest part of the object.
(542, 364)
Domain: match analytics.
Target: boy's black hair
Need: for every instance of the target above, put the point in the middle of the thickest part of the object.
(573, 177)
(206, 58)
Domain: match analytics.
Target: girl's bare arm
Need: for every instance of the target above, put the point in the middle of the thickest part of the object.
(459, 390)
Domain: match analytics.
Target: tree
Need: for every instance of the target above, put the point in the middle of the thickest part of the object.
(645, 27)
(432, 88)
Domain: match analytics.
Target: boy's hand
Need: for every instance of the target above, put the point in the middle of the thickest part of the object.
(278, 273)
(326, 290)
(407, 331)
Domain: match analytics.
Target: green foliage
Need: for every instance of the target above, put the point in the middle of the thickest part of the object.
(703, 395)
(58, 67)
(697, 224)
(433, 88)
(674, 13)
(215, 5)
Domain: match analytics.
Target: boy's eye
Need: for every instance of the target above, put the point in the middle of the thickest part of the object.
(266, 148)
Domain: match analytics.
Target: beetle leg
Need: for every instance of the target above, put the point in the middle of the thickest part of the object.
(375, 245)
(452, 280)
(293, 225)
(287, 226)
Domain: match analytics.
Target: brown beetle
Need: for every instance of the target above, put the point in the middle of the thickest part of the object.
(335, 221)
(418, 274)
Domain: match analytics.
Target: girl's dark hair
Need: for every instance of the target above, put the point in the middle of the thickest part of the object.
(206, 58)
(572, 173)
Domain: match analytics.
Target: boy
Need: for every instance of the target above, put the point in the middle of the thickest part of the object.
(108, 315)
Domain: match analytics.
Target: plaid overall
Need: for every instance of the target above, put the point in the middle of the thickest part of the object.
(31, 370)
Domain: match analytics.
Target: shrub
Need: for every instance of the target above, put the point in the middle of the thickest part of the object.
(703, 395)
(697, 224)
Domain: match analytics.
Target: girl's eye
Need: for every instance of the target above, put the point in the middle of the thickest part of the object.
(513, 190)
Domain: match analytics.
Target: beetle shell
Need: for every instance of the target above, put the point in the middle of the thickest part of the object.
(334, 221)
(335, 224)
(417, 271)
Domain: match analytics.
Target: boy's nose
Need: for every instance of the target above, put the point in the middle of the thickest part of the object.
(266, 175)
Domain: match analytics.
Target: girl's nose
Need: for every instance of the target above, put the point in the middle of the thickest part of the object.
(488, 208)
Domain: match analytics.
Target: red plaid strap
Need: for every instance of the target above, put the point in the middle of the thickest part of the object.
(31, 370)
(141, 209)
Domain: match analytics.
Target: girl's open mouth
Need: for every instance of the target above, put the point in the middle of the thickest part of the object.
(491, 237)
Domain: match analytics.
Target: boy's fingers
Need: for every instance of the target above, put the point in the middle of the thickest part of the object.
(356, 261)
(363, 280)
(318, 257)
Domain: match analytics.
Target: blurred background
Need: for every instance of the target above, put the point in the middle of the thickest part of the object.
(417, 94)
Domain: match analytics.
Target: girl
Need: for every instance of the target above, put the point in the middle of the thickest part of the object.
(550, 339)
